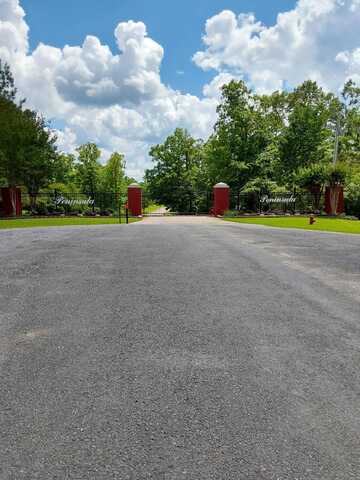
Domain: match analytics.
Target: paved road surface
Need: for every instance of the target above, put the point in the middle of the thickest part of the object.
(179, 352)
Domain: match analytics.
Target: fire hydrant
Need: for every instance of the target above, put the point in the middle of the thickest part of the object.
(312, 220)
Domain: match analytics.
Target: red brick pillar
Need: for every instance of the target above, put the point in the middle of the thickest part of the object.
(135, 200)
(334, 200)
(11, 201)
(221, 199)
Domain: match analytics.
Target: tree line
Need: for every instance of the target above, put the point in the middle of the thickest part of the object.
(29, 156)
(288, 141)
(300, 140)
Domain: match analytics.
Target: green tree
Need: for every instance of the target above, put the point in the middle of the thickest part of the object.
(352, 194)
(27, 147)
(88, 168)
(348, 123)
(239, 137)
(13, 134)
(175, 179)
(40, 156)
(8, 90)
(351, 93)
(28, 153)
(65, 169)
(307, 139)
(113, 173)
(313, 179)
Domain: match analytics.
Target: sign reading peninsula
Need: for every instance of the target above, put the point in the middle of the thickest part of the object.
(267, 200)
(73, 202)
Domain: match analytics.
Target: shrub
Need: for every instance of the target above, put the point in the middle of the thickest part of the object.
(312, 178)
(337, 174)
(262, 185)
(41, 210)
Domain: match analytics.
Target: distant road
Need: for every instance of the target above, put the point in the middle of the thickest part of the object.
(179, 351)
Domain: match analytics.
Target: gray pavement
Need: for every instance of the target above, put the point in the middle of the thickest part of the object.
(179, 352)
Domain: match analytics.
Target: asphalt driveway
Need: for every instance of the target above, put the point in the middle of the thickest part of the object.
(179, 351)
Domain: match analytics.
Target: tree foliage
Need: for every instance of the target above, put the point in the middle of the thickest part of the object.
(88, 168)
(240, 135)
(28, 153)
(177, 175)
(8, 90)
(306, 139)
(113, 174)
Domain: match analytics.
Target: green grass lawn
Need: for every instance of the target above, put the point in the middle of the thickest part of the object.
(61, 222)
(322, 224)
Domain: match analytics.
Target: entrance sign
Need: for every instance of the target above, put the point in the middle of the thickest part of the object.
(268, 200)
(71, 202)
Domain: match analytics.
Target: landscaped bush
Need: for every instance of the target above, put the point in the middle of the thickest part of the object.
(41, 209)
(89, 213)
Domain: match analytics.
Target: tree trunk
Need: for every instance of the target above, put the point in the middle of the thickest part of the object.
(13, 200)
(334, 200)
(316, 192)
(11, 197)
(32, 198)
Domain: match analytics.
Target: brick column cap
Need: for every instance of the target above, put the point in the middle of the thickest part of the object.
(221, 185)
(134, 185)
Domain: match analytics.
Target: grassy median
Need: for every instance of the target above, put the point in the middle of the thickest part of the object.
(61, 222)
(322, 224)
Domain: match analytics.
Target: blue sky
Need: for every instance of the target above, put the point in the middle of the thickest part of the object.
(177, 25)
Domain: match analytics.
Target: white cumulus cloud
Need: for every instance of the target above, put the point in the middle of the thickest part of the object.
(304, 43)
(213, 89)
(13, 30)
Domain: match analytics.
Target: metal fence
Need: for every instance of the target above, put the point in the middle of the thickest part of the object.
(255, 203)
(276, 203)
(58, 203)
(55, 203)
